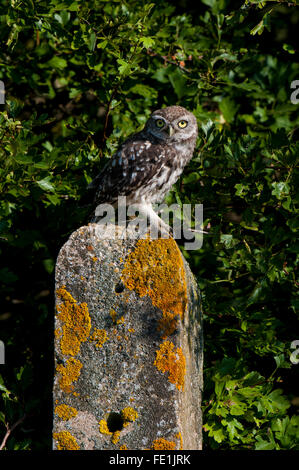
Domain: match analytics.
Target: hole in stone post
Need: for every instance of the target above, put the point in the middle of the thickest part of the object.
(115, 422)
(119, 288)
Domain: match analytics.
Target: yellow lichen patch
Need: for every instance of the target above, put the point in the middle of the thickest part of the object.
(123, 447)
(171, 360)
(167, 324)
(163, 444)
(69, 373)
(65, 441)
(103, 427)
(94, 259)
(113, 315)
(65, 412)
(57, 332)
(120, 320)
(100, 336)
(115, 437)
(155, 268)
(75, 320)
(129, 415)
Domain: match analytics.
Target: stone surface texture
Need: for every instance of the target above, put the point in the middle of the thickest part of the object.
(128, 345)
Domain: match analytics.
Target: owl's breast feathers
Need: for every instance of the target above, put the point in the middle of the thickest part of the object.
(141, 170)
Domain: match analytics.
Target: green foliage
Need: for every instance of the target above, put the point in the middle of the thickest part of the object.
(247, 412)
(81, 76)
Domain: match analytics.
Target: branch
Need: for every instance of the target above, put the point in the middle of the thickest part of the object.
(10, 430)
(113, 93)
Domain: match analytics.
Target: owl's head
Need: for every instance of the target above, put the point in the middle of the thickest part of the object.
(172, 124)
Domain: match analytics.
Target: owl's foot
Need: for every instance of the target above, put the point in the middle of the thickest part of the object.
(164, 230)
(148, 222)
(158, 228)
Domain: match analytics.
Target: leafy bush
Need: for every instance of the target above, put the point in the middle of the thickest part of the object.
(80, 76)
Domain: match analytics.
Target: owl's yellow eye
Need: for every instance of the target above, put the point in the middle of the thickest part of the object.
(159, 123)
(182, 124)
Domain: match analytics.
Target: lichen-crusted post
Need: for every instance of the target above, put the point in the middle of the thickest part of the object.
(128, 345)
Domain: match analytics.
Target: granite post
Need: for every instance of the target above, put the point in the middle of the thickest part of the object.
(128, 345)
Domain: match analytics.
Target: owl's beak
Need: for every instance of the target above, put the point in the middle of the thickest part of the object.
(170, 130)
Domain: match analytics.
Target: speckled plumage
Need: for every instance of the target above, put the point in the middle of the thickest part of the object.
(148, 163)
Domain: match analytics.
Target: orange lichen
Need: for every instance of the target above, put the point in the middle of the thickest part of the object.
(103, 427)
(171, 360)
(155, 268)
(75, 320)
(115, 437)
(167, 324)
(129, 415)
(100, 336)
(123, 447)
(69, 373)
(113, 315)
(94, 259)
(163, 444)
(57, 332)
(65, 412)
(65, 441)
(120, 320)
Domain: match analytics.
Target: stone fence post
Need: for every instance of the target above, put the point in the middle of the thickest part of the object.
(128, 345)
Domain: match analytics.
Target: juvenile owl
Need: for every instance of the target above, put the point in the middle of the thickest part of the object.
(148, 163)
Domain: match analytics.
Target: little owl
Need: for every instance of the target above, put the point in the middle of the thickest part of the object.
(148, 163)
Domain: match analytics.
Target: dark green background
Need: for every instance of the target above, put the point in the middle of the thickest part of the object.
(80, 77)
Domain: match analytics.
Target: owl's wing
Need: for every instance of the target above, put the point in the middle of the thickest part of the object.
(134, 165)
